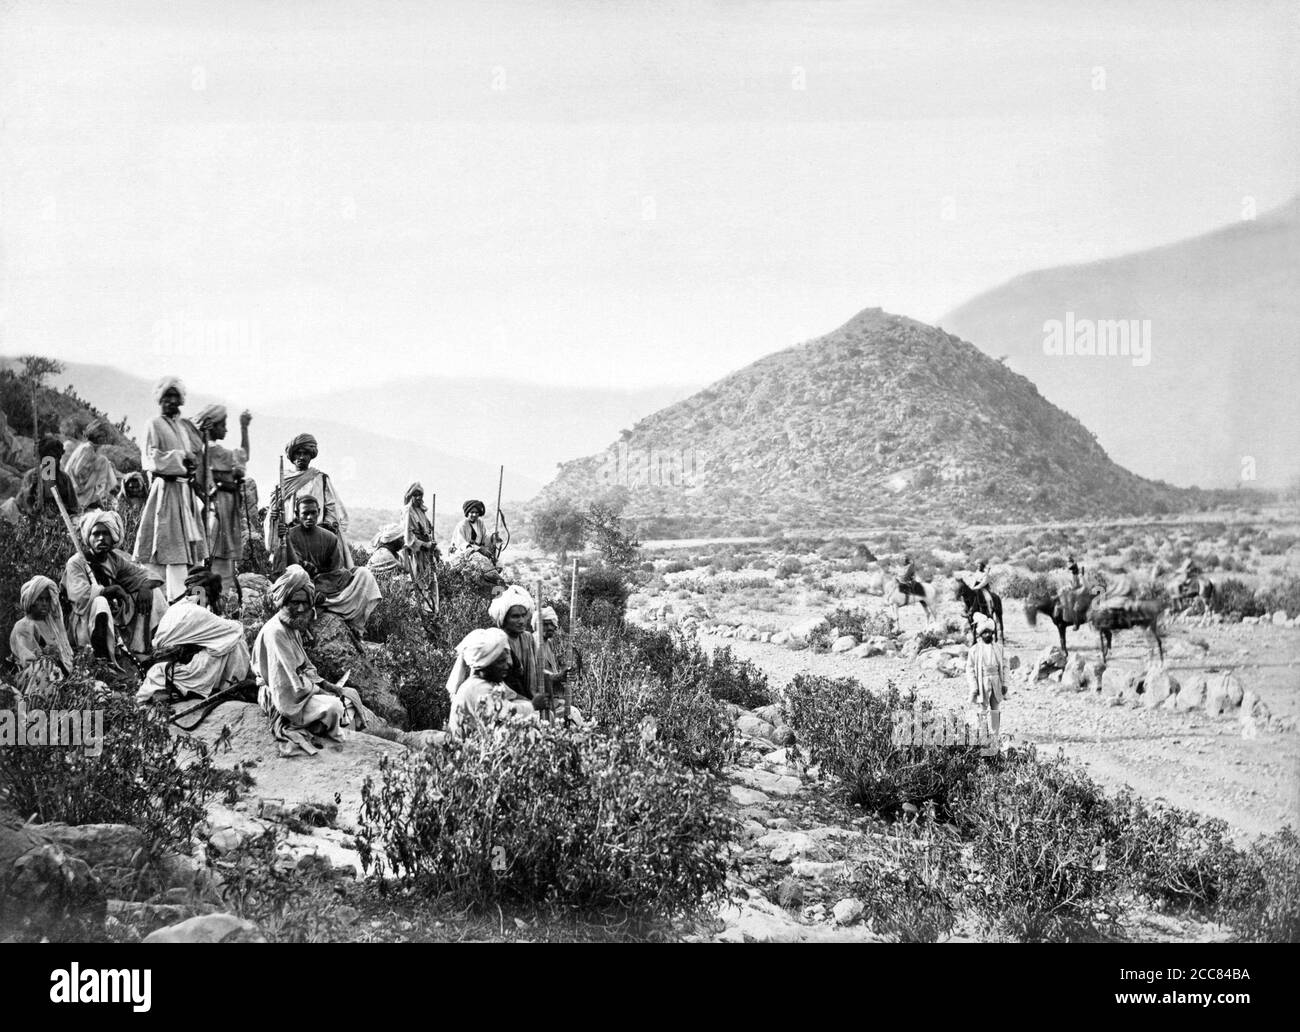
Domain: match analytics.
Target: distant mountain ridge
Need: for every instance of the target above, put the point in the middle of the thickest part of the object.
(884, 418)
(1215, 403)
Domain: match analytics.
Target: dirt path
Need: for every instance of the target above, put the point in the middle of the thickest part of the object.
(1187, 758)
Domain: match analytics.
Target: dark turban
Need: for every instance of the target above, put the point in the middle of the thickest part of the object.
(473, 504)
(50, 447)
(302, 441)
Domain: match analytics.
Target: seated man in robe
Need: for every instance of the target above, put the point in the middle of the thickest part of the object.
(95, 478)
(384, 549)
(470, 534)
(39, 642)
(476, 684)
(35, 497)
(512, 611)
(115, 602)
(351, 593)
(302, 705)
(196, 652)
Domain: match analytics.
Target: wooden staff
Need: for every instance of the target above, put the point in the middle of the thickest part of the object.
(280, 527)
(539, 643)
(570, 658)
(496, 530)
(203, 486)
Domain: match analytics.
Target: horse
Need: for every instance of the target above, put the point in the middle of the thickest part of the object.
(974, 602)
(1067, 609)
(918, 591)
(1108, 619)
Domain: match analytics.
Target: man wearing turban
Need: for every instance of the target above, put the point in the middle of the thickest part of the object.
(419, 552)
(300, 703)
(351, 593)
(223, 469)
(36, 489)
(171, 537)
(476, 683)
(39, 642)
(384, 548)
(987, 677)
(93, 475)
(306, 480)
(114, 600)
(196, 652)
(471, 546)
(512, 611)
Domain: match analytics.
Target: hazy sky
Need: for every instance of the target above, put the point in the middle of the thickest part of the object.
(598, 193)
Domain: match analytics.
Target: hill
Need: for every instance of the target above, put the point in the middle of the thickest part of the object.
(370, 469)
(885, 418)
(1222, 311)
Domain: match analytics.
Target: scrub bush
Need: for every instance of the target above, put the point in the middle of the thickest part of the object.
(536, 814)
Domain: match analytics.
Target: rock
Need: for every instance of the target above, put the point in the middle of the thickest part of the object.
(340, 767)
(747, 796)
(867, 650)
(1225, 693)
(820, 872)
(226, 840)
(847, 911)
(1280, 618)
(1013, 664)
(1158, 686)
(1092, 674)
(784, 846)
(783, 734)
(772, 714)
(1250, 727)
(1254, 707)
(422, 739)
(755, 727)
(1192, 695)
(1119, 682)
(781, 638)
(208, 928)
(767, 782)
(334, 652)
(844, 643)
(950, 666)
(48, 885)
(796, 644)
(1072, 681)
(1051, 658)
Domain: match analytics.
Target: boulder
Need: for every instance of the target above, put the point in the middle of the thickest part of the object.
(784, 846)
(1224, 694)
(1159, 686)
(1279, 618)
(334, 653)
(771, 713)
(805, 629)
(867, 650)
(781, 638)
(847, 911)
(1192, 694)
(1119, 682)
(1253, 707)
(1051, 658)
(844, 643)
(743, 796)
(767, 781)
(755, 727)
(254, 582)
(208, 928)
(340, 767)
(115, 845)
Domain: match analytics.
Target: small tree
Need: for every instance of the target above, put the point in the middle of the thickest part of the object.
(558, 527)
(605, 527)
(35, 369)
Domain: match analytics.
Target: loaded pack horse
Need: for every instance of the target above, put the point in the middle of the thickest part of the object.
(1068, 608)
(1108, 619)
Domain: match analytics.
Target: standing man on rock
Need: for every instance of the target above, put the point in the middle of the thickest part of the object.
(171, 537)
(225, 480)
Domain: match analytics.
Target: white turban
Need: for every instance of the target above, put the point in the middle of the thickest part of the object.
(476, 651)
(506, 601)
(549, 615)
(209, 416)
(34, 589)
(387, 535)
(984, 623)
(94, 518)
(293, 580)
(166, 384)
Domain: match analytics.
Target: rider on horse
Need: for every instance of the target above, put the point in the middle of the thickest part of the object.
(907, 583)
(1188, 578)
(978, 581)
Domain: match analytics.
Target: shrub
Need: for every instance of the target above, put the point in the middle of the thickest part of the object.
(534, 814)
(1039, 833)
(603, 592)
(1264, 904)
(1234, 596)
(908, 893)
(788, 567)
(628, 685)
(1019, 585)
(1284, 595)
(143, 775)
(860, 623)
(849, 731)
(27, 548)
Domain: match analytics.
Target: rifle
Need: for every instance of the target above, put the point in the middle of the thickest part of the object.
(496, 530)
(281, 530)
(203, 486)
(433, 561)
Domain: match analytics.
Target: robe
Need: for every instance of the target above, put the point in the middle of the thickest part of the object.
(28, 642)
(468, 532)
(171, 529)
(987, 674)
(523, 664)
(477, 702)
(310, 482)
(222, 658)
(225, 517)
(93, 475)
(289, 690)
(84, 585)
(417, 544)
(352, 594)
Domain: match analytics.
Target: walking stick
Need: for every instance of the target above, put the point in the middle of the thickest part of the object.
(277, 561)
(496, 530)
(203, 486)
(570, 660)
